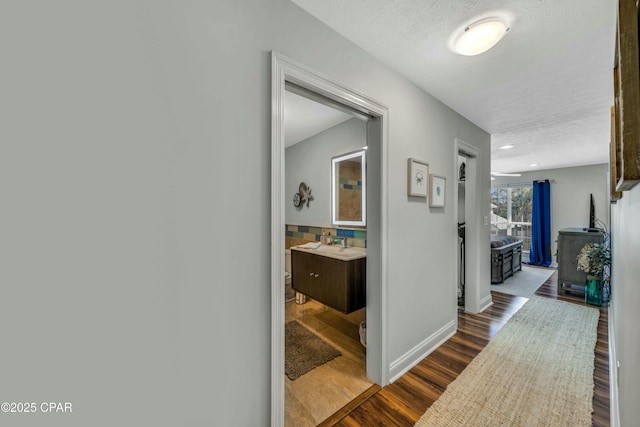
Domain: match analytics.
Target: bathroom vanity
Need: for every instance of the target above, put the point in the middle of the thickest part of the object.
(331, 275)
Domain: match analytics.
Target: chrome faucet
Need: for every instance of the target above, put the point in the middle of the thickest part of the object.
(344, 242)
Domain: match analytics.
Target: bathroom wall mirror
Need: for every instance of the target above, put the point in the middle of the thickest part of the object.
(348, 189)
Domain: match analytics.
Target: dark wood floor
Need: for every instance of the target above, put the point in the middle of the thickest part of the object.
(403, 402)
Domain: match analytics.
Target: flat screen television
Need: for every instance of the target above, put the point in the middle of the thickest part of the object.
(592, 213)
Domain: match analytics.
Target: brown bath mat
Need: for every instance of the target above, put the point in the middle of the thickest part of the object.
(304, 350)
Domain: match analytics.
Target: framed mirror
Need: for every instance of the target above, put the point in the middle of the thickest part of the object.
(348, 189)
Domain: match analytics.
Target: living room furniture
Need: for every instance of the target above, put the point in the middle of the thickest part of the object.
(506, 257)
(570, 243)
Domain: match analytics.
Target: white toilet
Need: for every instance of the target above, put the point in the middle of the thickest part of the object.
(289, 293)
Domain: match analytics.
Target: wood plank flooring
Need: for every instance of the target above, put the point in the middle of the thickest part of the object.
(403, 402)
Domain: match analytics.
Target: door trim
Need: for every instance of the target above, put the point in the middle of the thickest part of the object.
(284, 69)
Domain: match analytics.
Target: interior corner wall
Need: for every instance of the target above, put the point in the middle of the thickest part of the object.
(309, 161)
(570, 189)
(135, 174)
(625, 300)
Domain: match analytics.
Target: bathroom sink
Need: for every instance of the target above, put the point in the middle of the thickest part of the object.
(338, 252)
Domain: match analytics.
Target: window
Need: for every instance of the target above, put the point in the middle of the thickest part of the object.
(511, 212)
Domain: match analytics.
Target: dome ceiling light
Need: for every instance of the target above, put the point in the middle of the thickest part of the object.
(480, 36)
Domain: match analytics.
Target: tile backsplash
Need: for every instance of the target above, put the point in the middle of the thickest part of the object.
(299, 234)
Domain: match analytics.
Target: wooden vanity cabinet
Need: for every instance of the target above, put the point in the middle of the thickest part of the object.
(335, 283)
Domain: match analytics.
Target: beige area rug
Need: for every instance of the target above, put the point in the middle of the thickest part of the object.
(304, 350)
(525, 282)
(537, 371)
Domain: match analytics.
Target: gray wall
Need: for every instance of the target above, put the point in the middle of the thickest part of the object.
(625, 300)
(309, 161)
(135, 182)
(570, 189)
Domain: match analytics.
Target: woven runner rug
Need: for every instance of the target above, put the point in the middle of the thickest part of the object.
(537, 371)
(304, 350)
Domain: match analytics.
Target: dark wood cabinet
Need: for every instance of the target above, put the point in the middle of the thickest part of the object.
(570, 243)
(338, 284)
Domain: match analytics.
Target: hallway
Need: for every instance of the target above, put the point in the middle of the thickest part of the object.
(403, 402)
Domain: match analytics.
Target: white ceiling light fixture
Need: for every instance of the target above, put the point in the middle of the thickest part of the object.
(480, 36)
(505, 174)
(507, 147)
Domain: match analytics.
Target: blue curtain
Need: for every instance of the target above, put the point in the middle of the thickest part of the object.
(541, 224)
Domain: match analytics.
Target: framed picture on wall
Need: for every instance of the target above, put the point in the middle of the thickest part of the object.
(626, 91)
(417, 176)
(437, 186)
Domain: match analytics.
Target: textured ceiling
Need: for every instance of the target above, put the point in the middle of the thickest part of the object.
(545, 88)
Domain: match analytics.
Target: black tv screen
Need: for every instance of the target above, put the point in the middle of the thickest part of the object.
(592, 213)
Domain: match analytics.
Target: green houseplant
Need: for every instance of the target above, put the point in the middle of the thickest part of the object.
(594, 259)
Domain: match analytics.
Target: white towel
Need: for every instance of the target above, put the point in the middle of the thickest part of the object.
(311, 245)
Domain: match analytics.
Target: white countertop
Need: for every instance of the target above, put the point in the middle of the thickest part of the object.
(337, 252)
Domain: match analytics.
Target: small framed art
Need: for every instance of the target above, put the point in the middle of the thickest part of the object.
(437, 187)
(417, 175)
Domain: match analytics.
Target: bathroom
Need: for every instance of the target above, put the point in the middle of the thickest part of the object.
(325, 212)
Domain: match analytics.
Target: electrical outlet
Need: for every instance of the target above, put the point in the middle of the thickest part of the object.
(486, 220)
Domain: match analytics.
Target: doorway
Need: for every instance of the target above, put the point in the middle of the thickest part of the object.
(325, 364)
(461, 222)
(473, 226)
(286, 71)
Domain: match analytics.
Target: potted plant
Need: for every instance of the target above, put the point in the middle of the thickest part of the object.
(594, 259)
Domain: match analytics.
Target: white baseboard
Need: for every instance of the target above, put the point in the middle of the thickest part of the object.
(485, 303)
(614, 410)
(411, 358)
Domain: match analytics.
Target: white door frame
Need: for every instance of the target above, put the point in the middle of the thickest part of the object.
(473, 205)
(283, 70)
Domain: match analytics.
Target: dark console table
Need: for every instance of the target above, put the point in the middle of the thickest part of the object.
(570, 243)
